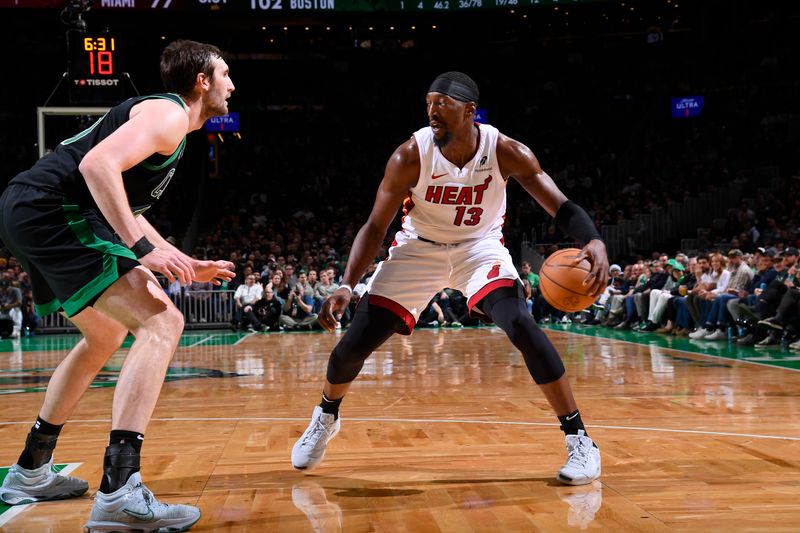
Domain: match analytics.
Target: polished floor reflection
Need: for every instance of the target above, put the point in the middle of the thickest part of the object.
(443, 431)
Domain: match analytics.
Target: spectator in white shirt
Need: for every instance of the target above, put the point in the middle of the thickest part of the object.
(245, 297)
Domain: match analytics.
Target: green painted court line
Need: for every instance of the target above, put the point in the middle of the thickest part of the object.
(35, 380)
(769, 355)
(7, 512)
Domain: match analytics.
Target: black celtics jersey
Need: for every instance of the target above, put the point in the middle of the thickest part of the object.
(144, 183)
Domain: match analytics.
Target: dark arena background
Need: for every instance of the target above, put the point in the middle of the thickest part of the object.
(674, 123)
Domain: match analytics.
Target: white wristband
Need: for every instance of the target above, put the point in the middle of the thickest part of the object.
(346, 286)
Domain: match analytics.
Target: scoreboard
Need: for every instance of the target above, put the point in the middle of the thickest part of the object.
(267, 7)
(95, 67)
(313, 6)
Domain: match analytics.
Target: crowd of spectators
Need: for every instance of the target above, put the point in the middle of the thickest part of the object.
(747, 298)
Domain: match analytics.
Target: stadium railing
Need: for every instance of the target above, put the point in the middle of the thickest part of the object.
(201, 310)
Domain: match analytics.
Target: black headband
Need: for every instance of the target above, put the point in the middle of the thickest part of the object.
(454, 89)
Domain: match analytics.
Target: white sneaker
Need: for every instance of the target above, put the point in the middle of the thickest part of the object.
(23, 486)
(583, 463)
(716, 335)
(583, 504)
(699, 333)
(15, 333)
(325, 516)
(134, 508)
(309, 450)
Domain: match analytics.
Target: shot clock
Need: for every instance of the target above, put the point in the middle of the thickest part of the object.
(95, 68)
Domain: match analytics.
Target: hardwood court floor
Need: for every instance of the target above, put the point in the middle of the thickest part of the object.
(443, 431)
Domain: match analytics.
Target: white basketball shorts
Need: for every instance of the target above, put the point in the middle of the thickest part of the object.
(416, 270)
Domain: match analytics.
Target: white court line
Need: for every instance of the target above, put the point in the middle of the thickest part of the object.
(702, 354)
(440, 421)
(18, 509)
(245, 337)
(201, 341)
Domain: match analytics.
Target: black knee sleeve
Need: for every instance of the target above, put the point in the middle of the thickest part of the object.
(371, 327)
(506, 307)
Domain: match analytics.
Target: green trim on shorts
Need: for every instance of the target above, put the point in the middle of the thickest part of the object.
(50, 307)
(80, 226)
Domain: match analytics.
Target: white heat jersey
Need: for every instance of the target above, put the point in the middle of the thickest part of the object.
(450, 204)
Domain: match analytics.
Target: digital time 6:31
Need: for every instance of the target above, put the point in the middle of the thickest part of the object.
(100, 55)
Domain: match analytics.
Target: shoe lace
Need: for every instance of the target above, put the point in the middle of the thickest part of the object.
(149, 499)
(317, 430)
(579, 454)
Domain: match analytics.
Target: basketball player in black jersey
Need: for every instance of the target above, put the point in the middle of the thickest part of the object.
(450, 179)
(73, 221)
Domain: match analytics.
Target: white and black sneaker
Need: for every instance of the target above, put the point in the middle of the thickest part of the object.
(134, 508)
(41, 484)
(309, 450)
(583, 463)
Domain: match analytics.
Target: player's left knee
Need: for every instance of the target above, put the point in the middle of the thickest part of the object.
(507, 310)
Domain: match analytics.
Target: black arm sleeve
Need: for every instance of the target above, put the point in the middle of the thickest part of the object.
(575, 222)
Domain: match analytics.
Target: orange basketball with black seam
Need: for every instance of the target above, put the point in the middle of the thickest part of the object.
(561, 281)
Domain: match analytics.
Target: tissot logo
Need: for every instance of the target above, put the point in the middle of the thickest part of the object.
(93, 82)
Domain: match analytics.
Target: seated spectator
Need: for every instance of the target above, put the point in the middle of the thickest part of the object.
(324, 288)
(659, 298)
(745, 325)
(617, 284)
(432, 316)
(768, 300)
(785, 323)
(676, 315)
(298, 310)
(711, 268)
(30, 320)
(11, 308)
(279, 286)
(532, 288)
(268, 310)
(447, 305)
(244, 298)
(717, 319)
(615, 315)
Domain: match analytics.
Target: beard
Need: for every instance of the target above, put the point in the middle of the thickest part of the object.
(218, 108)
(443, 141)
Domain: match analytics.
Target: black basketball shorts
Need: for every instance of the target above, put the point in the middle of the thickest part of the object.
(70, 253)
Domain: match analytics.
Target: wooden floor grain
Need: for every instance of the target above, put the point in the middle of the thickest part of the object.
(444, 431)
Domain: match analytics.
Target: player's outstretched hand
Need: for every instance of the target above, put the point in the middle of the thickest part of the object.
(171, 263)
(214, 271)
(595, 253)
(332, 308)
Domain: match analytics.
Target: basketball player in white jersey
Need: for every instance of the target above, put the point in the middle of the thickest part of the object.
(450, 179)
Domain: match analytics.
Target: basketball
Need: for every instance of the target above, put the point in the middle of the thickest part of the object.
(561, 281)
